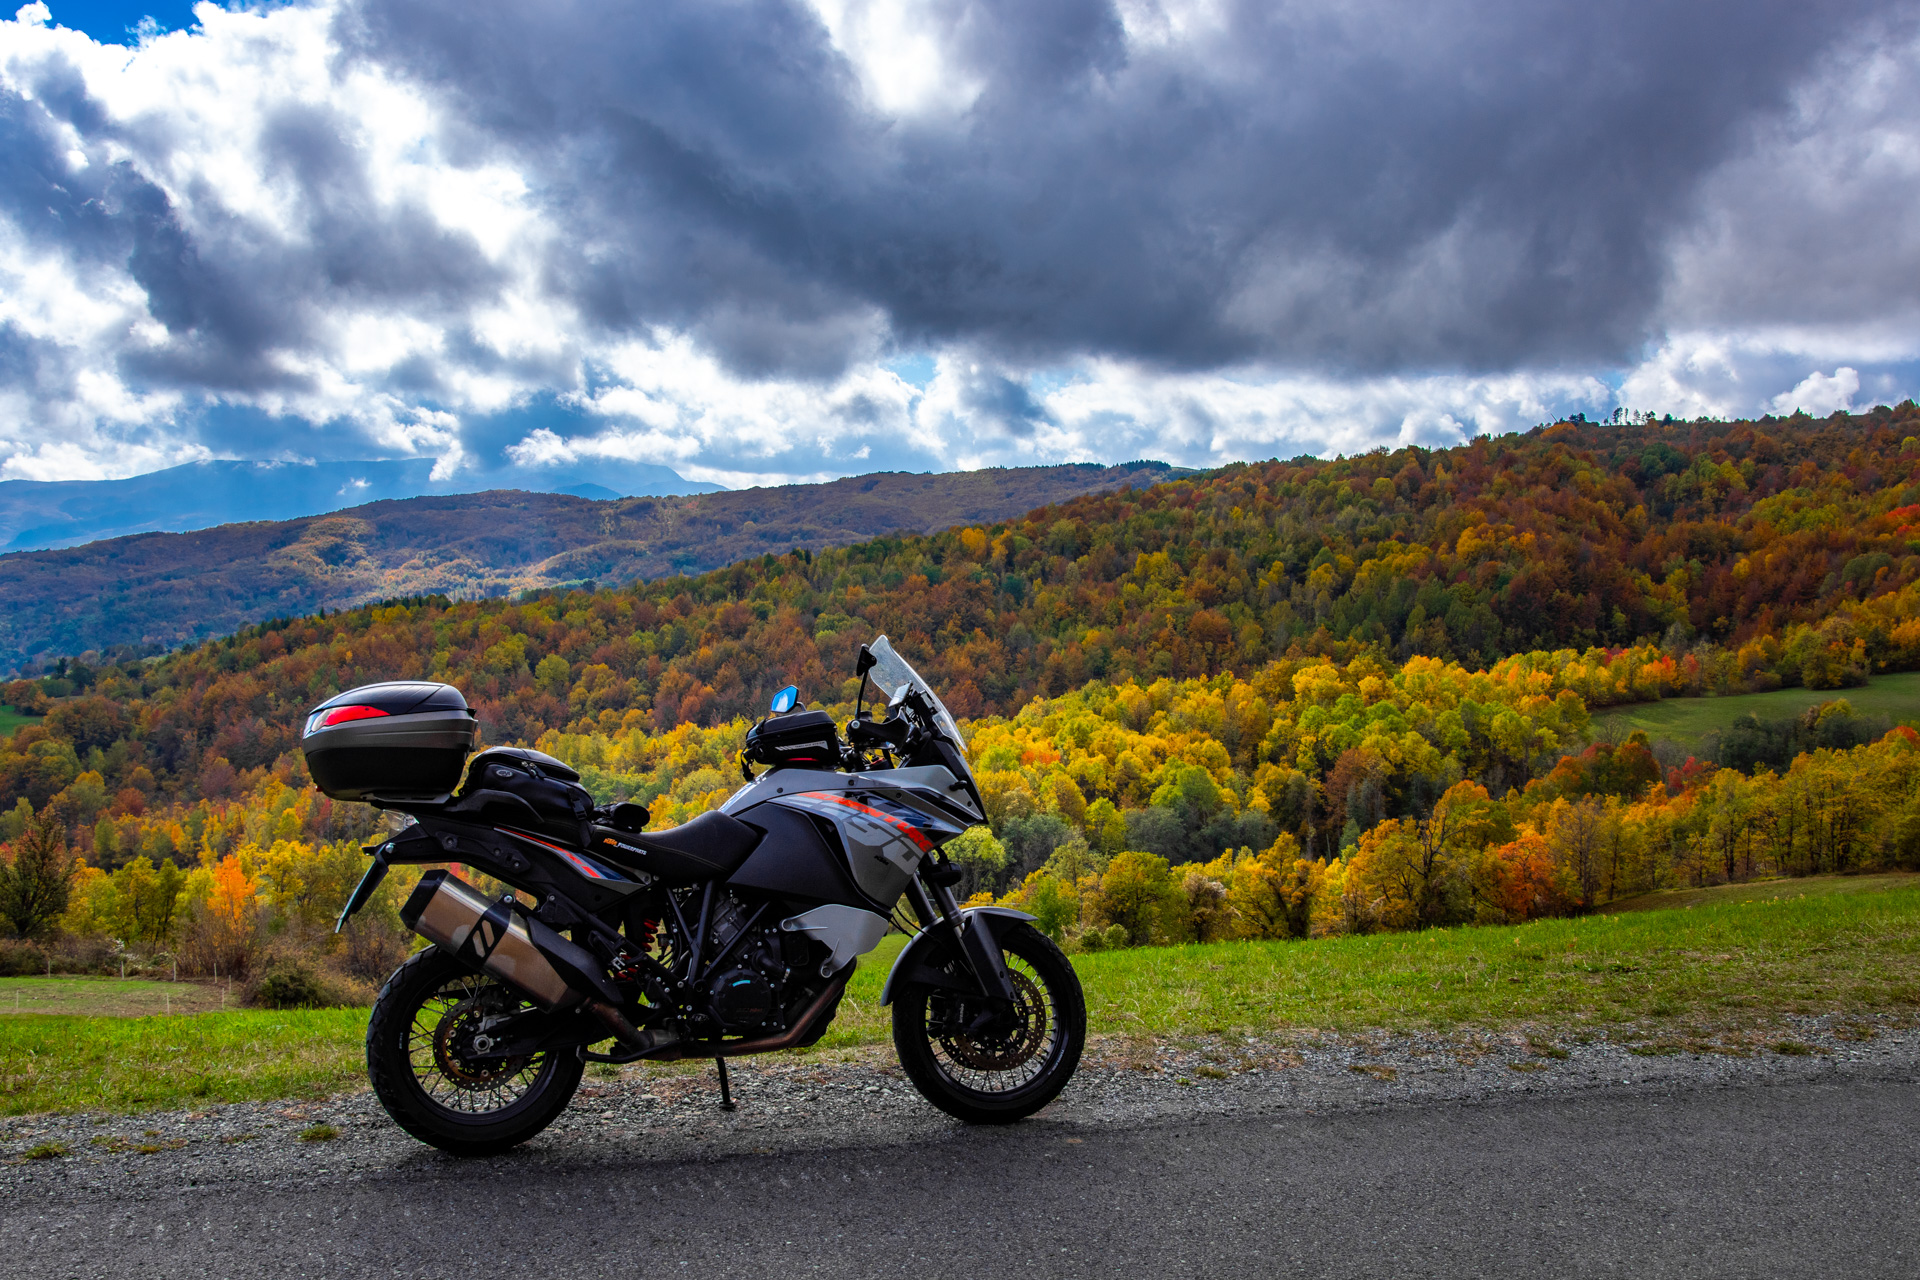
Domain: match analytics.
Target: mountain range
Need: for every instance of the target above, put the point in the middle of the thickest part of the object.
(36, 514)
(159, 590)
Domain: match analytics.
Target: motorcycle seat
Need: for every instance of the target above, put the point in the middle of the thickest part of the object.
(710, 847)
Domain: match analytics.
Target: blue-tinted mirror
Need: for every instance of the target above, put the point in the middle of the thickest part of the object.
(783, 701)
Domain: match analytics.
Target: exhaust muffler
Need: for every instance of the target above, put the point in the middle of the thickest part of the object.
(495, 939)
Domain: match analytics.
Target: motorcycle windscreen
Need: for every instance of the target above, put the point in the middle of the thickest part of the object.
(890, 671)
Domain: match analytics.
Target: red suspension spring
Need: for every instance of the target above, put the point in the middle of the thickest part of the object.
(626, 965)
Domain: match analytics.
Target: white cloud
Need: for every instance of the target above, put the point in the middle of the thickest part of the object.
(898, 52)
(206, 117)
(85, 460)
(1820, 394)
(542, 448)
(400, 266)
(1809, 226)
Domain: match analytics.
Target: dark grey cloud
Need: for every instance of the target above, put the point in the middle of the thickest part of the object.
(1363, 200)
(233, 292)
(995, 400)
(1365, 187)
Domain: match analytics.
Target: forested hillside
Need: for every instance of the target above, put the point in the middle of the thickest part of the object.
(1749, 553)
(160, 590)
(1365, 683)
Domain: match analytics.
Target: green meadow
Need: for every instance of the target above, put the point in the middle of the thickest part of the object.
(1687, 720)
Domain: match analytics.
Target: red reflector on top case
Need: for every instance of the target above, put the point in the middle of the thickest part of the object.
(340, 715)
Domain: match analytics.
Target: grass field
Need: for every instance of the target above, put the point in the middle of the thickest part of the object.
(109, 997)
(11, 720)
(1836, 945)
(1764, 891)
(1687, 720)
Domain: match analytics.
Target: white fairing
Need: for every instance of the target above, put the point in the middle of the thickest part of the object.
(848, 931)
(786, 782)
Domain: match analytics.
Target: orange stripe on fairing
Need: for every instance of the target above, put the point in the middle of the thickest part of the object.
(905, 828)
(579, 863)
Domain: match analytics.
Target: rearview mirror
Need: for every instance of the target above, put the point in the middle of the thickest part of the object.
(784, 700)
(865, 662)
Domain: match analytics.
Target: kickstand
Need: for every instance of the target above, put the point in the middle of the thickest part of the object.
(726, 1094)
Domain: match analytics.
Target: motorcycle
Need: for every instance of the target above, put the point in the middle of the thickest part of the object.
(732, 934)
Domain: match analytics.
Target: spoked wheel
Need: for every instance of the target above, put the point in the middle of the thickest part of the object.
(995, 1070)
(424, 1043)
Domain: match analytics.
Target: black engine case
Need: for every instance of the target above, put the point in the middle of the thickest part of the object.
(741, 999)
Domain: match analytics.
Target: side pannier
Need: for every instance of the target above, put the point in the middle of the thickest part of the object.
(403, 740)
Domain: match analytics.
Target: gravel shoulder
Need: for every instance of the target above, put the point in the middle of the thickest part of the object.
(860, 1099)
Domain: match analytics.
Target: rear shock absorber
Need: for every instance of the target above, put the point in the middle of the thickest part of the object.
(628, 965)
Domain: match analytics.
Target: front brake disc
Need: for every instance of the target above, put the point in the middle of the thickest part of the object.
(1018, 1038)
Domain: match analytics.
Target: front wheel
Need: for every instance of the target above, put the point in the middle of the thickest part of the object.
(1004, 1070)
(428, 1024)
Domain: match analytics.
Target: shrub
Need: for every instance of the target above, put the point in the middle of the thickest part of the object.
(91, 953)
(1111, 938)
(19, 958)
(288, 983)
(372, 949)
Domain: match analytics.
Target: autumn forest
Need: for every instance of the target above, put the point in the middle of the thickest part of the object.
(1282, 699)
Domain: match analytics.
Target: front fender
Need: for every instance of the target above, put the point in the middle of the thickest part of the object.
(921, 961)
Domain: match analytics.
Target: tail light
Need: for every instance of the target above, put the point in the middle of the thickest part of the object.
(340, 715)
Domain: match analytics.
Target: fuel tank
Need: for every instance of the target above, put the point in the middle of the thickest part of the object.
(831, 832)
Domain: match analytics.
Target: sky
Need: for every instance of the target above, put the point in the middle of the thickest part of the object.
(761, 241)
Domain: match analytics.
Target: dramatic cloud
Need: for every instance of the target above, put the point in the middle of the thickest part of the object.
(762, 239)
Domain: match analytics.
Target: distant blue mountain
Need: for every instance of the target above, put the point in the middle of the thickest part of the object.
(38, 514)
(596, 492)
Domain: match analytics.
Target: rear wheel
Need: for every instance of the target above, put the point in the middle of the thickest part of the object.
(1004, 1069)
(429, 1023)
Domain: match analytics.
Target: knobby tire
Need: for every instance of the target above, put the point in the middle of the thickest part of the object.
(989, 1082)
(457, 1121)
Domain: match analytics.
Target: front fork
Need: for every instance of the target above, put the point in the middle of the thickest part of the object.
(937, 908)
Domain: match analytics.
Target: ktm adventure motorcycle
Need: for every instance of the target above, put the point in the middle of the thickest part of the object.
(732, 934)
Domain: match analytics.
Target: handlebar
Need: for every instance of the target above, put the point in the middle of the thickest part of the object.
(864, 733)
(903, 733)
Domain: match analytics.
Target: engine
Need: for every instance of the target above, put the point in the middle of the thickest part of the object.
(764, 970)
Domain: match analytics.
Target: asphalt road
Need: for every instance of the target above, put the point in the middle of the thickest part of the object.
(1810, 1178)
